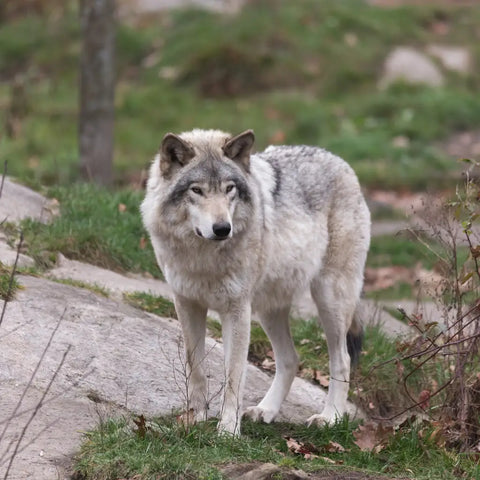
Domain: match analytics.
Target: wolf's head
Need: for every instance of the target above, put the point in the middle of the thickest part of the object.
(207, 176)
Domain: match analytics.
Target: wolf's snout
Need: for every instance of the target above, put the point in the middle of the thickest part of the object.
(221, 229)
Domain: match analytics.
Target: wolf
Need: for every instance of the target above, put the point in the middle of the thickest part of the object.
(239, 232)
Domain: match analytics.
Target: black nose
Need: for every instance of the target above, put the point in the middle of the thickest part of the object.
(221, 229)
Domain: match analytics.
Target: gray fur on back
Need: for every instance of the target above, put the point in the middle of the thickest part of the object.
(304, 175)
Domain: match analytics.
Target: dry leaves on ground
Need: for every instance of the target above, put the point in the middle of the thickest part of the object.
(372, 437)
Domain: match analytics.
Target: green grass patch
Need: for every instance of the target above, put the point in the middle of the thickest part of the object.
(93, 287)
(311, 345)
(95, 226)
(402, 250)
(151, 303)
(8, 284)
(165, 449)
(398, 291)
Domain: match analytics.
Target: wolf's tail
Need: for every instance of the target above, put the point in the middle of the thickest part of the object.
(355, 338)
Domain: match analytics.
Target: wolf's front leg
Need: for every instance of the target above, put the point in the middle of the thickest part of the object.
(236, 337)
(193, 319)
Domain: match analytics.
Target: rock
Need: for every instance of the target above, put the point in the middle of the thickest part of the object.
(456, 59)
(8, 256)
(116, 357)
(129, 7)
(411, 66)
(114, 282)
(18, 202)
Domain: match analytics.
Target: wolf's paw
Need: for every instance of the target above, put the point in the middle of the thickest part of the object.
(259, 414)
(320, 420)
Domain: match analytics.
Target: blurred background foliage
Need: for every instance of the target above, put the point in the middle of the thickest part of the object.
(295, 72)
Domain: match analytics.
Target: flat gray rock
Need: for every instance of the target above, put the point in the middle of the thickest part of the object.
(454, 58)
(8, 255)
(411, 66)
(114, 282)
(104, 355)
(18, 202)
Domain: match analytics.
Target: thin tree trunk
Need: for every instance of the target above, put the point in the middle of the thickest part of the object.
(97, 89)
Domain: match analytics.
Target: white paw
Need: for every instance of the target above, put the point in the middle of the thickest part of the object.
(320, 420)
(259, 414)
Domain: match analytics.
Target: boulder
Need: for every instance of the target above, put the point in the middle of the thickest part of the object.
(410, 66)
(455, 59)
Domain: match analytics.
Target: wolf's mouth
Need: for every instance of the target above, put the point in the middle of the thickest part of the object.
(198, 232)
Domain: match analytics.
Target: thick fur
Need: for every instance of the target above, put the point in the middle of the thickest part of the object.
(297, 220)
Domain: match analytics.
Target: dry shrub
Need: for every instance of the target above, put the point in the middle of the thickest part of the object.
(438, 371)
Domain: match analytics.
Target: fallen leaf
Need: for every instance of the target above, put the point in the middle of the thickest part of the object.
(122, 207)
(186, 418)
(308, 373)
(268, 364)
(143, 243)
(141, 424)
(334, 447)
(308, 450)
(322, 379)
(270, 354)
(372, 437)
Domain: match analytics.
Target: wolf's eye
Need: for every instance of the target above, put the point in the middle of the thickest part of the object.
(197, 190)
(229, 188)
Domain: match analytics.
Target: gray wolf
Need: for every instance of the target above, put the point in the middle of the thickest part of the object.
(239, 233)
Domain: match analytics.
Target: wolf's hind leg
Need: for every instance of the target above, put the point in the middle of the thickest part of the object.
(192, 317)
(336, 296)
(277, 328)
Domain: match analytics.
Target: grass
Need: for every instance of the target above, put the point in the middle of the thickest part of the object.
(282, 78)
(165, 449)
(96, 226)
(151, 303)
(93, 287)
(8, 285)
(398, 291)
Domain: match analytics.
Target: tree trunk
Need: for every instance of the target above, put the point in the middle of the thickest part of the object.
(97, 88)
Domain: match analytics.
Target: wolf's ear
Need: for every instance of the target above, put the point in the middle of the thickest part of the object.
(174, 153)
(239, 148)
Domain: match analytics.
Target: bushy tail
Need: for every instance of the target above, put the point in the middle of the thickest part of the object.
(355, 338)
